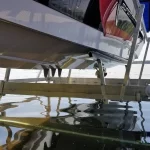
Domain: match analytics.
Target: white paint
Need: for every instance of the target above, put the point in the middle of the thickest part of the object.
(37, 17)
(29, 12)
(23, 16)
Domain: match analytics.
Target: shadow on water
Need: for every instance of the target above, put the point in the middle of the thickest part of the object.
(41, 123)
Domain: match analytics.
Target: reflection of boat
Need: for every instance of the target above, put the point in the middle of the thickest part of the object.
(113, 116)
(34, 34)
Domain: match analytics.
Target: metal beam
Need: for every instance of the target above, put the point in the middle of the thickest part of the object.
(89, 81)
(27, 80)
(69, 76)
(7, 74)
(140, 62)
(74, 90)
(135, 37)
(143, 63)
(1, 87)
(102, 79)
(38, 76)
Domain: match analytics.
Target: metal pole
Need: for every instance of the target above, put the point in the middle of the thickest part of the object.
(7, 74)
(38, 75)
(135, 37)
(144, 59)
(48, 76)
(102, 79)
(137, 5)
(69, 75)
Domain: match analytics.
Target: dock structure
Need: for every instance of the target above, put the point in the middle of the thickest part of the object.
(104, 89)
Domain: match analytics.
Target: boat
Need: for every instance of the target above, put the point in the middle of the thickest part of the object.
(70, 34)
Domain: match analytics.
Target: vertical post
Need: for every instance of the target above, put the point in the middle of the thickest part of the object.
(48, 76)
(102, 79)
(7, 75)
(137, 5)
(69, 75)
(1, 88)
(38, 75)
(58, 106)
(135, 37)
(143, 63)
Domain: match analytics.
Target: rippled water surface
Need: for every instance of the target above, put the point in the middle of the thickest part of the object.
(62, 123)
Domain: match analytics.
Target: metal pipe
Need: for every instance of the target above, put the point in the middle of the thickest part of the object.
(143, 63)
(7, 74)
(69, 75)
(102, 79)
(135, 37)
(38, 76)
(48, 76)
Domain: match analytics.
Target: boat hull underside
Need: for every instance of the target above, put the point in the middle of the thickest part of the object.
(23, 48)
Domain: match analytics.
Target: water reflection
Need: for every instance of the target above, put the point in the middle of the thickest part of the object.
(58, 123)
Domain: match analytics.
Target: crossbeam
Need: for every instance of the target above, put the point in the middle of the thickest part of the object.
(91, 81)
(74, 90)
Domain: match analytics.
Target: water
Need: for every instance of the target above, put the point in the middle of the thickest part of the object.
(54, 123)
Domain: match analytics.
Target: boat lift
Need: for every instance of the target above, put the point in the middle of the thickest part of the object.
(103, 89)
